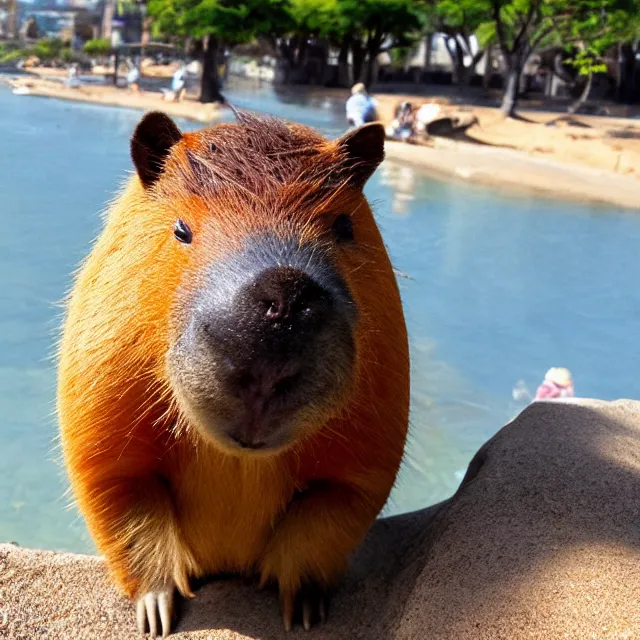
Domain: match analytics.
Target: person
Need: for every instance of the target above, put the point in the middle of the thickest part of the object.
(133, 75)
(360, 107)
(557, 383)
(72, 77)
(178, 83)
(402, 126)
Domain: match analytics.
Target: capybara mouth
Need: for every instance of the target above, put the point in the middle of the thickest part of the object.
(268, 349)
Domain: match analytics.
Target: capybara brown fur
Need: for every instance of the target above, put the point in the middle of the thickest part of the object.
(234, 373)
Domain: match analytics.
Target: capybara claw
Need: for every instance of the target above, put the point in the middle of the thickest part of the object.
(309, 605)
(154, 604)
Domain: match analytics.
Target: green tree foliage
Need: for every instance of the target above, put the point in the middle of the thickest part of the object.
(50, 49)
(13, 56)
(97, 47)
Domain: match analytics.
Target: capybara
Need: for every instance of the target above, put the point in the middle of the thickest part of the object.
(234, 374)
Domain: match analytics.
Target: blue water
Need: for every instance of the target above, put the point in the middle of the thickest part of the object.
(501, 289)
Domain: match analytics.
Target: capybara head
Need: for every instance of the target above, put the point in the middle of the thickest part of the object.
(268, 243)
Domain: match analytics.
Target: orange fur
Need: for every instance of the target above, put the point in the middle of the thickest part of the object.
(163, 503)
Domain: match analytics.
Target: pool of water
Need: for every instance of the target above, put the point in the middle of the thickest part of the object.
(500, 289)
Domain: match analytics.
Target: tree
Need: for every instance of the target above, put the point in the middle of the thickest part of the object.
(375, 26)
(585, 28)
(519, 27)
(588, 29)
(628, 54)
(459, 20)
(216, 23)
(306, 21)
(364, 28)
(97, 47)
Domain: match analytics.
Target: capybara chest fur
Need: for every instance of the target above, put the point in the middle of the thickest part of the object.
(234, 376)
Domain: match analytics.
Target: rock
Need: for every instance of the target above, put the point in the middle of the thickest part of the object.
(542, 540)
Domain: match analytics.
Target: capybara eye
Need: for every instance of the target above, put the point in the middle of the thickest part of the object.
(343, 228)
(182, 231)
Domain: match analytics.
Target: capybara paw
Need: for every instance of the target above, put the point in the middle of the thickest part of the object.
(309, 605)
(154, 604)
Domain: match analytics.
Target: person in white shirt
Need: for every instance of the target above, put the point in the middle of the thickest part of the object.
(360, 107)
(178, 83)
(133, 75)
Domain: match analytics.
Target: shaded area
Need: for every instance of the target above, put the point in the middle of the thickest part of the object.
(625, 134)
(542, 540)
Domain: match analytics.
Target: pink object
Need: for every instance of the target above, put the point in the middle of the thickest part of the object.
(550, 389)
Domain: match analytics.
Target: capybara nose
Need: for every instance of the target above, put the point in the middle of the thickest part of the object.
(272, 319)
(286, 297)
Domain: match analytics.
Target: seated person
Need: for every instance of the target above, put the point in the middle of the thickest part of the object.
(402, 126)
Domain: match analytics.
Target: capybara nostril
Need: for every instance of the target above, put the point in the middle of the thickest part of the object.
(285, 384)
(245, 443)
(288, 294)
(275, 308)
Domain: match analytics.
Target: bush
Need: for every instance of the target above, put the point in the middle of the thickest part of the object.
(10, 57)
(99, 47)
(48, 49)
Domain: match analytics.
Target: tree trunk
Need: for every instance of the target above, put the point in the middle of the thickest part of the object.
(456, 53)
(510, 98)
(368, 71)
(358, 55)
(515, 62)
(488, 68)
(428, 50)
(116, 64)
(301, 57)
(374, 43)
(210, 83)
(619, 59)
(458, 62)
(628, 88)
(285, 62)
(343, 63)
(584, 96)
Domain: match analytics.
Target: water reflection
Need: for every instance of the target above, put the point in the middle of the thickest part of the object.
(401, 180)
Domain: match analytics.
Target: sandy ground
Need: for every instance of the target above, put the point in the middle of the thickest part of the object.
(611, 144)
(540, 542)
(592, 159)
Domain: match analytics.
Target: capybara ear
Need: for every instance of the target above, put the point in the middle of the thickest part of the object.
(150, 144)
(364, 150)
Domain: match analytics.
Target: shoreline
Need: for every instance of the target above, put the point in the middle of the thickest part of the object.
(517, 173)
(109, 96)
(474, 161)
